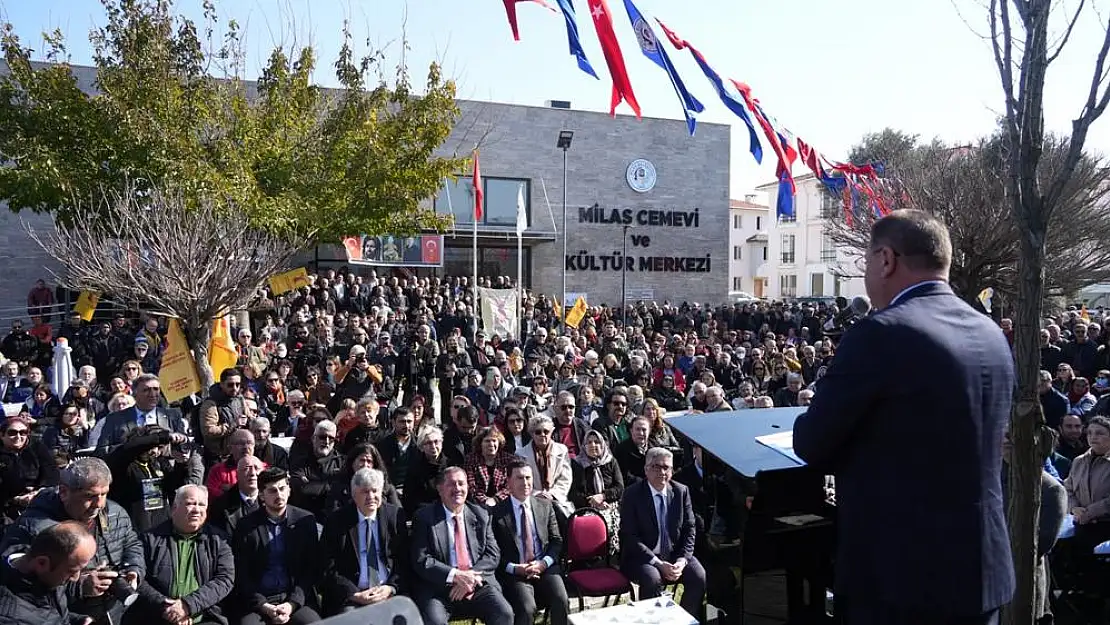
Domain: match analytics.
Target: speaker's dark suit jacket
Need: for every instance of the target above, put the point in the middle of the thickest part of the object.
(505, 522)
(909, 417)
(302, 557)
(340, 544)
(640, 524)
(431, 551)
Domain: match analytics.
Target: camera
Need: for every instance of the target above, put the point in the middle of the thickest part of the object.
(122, 591)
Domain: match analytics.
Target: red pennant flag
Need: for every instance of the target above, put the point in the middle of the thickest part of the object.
(622, 86)
(812, 159)
(510, 11)
(477, 180)
(782, 170)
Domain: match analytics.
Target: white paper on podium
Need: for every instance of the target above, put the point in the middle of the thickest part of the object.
(782, 442)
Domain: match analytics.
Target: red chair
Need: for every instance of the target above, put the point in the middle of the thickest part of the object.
(587, 563)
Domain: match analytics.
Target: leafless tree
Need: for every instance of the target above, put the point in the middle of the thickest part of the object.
(1020, 36)
(965, 186)
(155, 252)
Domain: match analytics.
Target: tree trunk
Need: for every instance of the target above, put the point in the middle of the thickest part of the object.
(1026, 422)
(198, 335)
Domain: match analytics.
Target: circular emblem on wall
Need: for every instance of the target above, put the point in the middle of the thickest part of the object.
(641, 175)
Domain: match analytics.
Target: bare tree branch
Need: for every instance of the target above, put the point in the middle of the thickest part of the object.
(1067, 33)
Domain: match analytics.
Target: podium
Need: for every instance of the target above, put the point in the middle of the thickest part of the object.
(789, 524)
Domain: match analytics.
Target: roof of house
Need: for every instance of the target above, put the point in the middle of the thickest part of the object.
(746, 204)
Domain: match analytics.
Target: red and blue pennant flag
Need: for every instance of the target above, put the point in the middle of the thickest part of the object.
(567, 8)
(610, 47)
(651, 48)
(784, 151)
(510, 12)
(730, 100)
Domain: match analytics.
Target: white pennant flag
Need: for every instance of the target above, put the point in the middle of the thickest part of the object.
(521, 214)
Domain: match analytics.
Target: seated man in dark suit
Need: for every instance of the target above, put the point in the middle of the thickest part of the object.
(240, 500)
(455, 555)
(366, 545)
(276, 556)
(185, 542)
(111, 431)
(528, 536)
(658, 533)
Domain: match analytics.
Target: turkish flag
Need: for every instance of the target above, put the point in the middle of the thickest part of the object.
(430, 250)
(622, 86)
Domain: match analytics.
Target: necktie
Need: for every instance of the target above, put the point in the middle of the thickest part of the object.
(664, 537)
(526, 539)
(462, 554)
(371, 556)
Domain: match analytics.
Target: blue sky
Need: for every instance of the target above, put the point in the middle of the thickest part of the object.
(828, 71)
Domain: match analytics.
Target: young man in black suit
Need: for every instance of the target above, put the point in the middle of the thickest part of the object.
(658, 533)
(925, 373)
(276, 558)
(455, 556)
(528, 536)
(366, 545)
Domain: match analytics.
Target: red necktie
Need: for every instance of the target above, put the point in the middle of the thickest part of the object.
(462, 554)
(526, 536)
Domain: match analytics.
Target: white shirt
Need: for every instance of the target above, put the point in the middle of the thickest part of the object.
(912, 287)
(537, 547)
(363, 548)
(451, 541)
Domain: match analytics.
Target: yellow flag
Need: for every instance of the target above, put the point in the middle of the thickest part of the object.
(221, 349)
(288, 281)
(985, 297)
(558, 308)
(576, 314)
(86, 304)
(178, 374)
(1084, 315)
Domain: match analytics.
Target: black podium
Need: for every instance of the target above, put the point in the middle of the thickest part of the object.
(789, 524)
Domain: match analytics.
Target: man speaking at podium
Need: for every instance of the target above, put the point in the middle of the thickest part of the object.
(909, 418)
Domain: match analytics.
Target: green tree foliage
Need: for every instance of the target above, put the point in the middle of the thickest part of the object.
(173, 110)
(965, 186)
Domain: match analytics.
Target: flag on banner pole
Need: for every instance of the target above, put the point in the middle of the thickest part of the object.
(500, 314)
(649, 45)
(985, 297)
(476, 179)
(611, 48)
(573, 40)
(521, 212)
(86, 304)
(731, 100)
(577, 313)
(510, 11)
(558, 308)
(221, 347)
(178, 373)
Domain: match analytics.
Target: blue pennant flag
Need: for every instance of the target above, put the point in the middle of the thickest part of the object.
(729, 98)
(649, 45)
(567, 7)
(784, 206)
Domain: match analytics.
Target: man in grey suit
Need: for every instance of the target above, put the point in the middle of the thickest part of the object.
(455, 555)
(113, 429)
(528, 535)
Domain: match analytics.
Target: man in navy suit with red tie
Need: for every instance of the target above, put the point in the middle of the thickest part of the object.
(455, 557)
(910, 417)
(657, 534)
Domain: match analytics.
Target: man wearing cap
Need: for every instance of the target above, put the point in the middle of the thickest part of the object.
(384, 356)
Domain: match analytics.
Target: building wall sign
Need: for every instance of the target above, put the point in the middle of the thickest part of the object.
(587, 260)
(641, 175)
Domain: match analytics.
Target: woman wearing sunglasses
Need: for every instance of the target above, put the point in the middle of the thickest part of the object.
(26, 466)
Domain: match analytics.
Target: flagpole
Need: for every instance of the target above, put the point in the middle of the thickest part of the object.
(477, 306)
(520, 285)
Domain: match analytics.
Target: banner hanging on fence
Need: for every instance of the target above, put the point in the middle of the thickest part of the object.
(178, 373)
(425, 250)
(500, 314)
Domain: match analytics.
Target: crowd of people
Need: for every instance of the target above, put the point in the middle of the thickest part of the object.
(373, 439)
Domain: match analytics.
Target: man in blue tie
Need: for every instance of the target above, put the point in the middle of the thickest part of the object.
(658, 532)
(365, 542)
(111, 431)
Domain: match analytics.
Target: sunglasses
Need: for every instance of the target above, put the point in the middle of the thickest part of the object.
(233, 384)
(459, 406)
(325, 437)
(273, 380)
(619, 403)
(14, 433)
(542, 433)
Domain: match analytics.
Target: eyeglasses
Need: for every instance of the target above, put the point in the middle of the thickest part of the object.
(541, 433)
(325, 437)
(566, 407)
(14, 433)
(459, 406)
